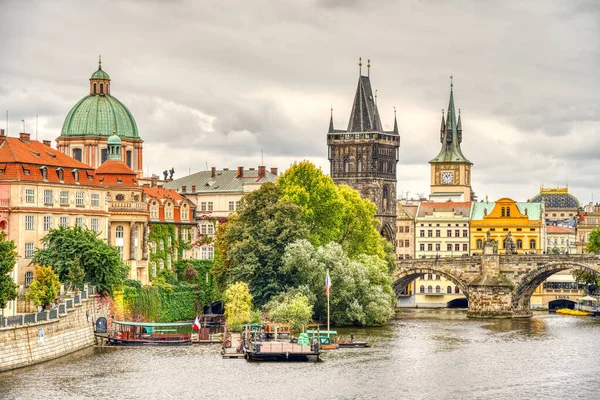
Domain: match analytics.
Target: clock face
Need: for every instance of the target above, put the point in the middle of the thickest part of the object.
(447, 178)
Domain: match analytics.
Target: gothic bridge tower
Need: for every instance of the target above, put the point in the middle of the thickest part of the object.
(364, 156)
(450, 169)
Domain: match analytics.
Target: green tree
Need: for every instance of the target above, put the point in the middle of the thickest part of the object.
(100, 261)
(238, 305)
(76, 276)
(361, 291)
(252, 243)
(593, 245)
(334, 213)
(587, 278)
(292, 307)
(8, 258)
(45, 286)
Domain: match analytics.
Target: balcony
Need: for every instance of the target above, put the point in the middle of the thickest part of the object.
(128, 205)
(4, 203)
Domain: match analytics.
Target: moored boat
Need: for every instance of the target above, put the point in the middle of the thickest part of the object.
(575, 313)
(257, 346)
(126, 333)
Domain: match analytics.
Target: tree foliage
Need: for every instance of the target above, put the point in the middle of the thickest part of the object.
(591, 280)
(45, 286)
(361, 291)
(238, 305)
(8, 259)
(252, 243)
(593, 245)
(292, 307)
(100, 261)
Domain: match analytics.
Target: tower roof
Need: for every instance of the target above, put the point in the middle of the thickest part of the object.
(100, 74)
(364, 116)
(451, 136)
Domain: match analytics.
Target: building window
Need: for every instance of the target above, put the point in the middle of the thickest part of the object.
(79, 199)
(169, 211)
(449, 289)
(429, 247)
(169, 241)
(479, 244)
(407, 229)
(429, 233)
(121, 252)
(154, 212)
(422, 233)
(153, 247)
(400, 229)
(64, 198)
(231, 206)
(346, 165)
(168, 261)
(465, 233)
(29, 249)
(532, 244)
(128, 158)
(438, 277)
(456, 289)
(203, 206)
(64, 220)
(449, 233)
(508, 211)
(79, 222)
(503, 211)
(77, 153)
(48, 197)
(457, 233)
(29, 222)
(400, 243)
(30, 195)
(76, 175)
(429, 289)
(448, 247)
(103, 155)
(422, 246)
(185, 212)
(519, 244)
(119, 232)
(161, 244)
(465, 247)
(457, 247)
(95, 200)
(28, 278)
(95, 224)
(237, 205)
(406, 243)
(47, 222)
(359, 166)
(437, 247)
(422, 289)
(210, 206)
(438, 289)
(437, 233)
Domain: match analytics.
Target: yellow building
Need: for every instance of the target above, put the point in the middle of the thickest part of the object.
(517, 227)
(558, 291)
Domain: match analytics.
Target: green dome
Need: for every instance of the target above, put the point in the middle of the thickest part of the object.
(100, 74)
(99, 115)
(113, 139)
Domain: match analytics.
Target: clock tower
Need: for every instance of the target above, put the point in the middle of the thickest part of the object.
(450, 169)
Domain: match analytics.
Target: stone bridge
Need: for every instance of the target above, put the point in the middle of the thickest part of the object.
(497, 286)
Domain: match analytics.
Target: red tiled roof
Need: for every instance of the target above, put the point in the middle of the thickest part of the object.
(559, 229)
(15, 150)
(160, 193)
(114, 167)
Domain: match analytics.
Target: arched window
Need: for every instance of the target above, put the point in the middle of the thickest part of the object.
(429, 289)
(128, 158)
(532, 244)
(95, 91)
(449, 289)
(479, 244)
(101, 88)
(77, 154)
(438, 289)
(438, 277)
(119, 232)
(456, 289)
(359, 166)
(519, 244)
(28, 278)
(103, 155)
(422, 289)
(503, 212)
(346, 165)
(508, 211)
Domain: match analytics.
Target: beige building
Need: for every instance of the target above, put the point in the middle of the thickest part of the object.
(560, 240)
(558, 291)
(42, 189)
(216, 195)
(589, 220)
(405, 229)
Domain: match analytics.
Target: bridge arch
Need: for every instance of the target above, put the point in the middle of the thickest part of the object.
(526, 286)
(405, 276)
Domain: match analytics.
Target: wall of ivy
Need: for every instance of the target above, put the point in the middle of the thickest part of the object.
(166, 232)
(161, 303)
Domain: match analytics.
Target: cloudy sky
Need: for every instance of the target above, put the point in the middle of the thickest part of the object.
(215, 83)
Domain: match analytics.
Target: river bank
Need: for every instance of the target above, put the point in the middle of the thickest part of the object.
(423, 354)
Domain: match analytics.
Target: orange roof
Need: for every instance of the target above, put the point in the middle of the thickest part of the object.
(161, 193)
(114, 167)
(559, 229)
(15, 150)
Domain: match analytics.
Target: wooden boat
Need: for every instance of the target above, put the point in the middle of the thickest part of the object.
(257, 346)
(150, 334)
(324, 338)
(351, 343)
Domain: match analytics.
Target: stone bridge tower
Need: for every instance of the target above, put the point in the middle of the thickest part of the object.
(364, 156)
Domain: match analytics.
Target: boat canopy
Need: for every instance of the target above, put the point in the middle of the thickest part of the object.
(153, 324)
(313, 332)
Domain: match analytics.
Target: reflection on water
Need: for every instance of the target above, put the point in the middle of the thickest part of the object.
(422, 354)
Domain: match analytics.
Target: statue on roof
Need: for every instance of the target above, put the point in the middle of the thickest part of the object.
(172, 172)
(166, 174)
(509, 244)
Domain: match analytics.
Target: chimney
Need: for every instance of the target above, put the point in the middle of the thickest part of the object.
(24, 136)
(2, 136)
(48, 143)
(240, 172)
(225, 169)
(213, 171)
(193, 188)
(183, 189)
(261, 170)
(274, 171)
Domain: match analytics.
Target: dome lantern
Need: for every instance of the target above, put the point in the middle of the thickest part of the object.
(114, 147)
(100, 81)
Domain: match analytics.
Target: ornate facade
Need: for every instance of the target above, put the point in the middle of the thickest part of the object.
(364, 156)
(450, 169)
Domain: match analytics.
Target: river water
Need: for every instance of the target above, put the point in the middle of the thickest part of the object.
(420, 355)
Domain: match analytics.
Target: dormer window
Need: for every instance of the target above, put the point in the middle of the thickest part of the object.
(76, 175)
(60, 173)
(44, 172)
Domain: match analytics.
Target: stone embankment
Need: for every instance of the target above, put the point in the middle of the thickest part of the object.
(33, 343)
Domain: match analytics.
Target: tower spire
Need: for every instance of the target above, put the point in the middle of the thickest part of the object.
(459, 128)
(442, 127)
(359, 66)
(395, 122)
(331, 121)
(99, 61)
(369, 67)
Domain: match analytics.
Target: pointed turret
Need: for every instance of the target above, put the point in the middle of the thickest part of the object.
(331, 121)
(442, 128)
(395, 123)
(364, 116)
(459, 128)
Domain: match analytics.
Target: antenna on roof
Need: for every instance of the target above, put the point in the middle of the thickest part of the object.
(206, 162)
(6, 122)
(23, 121)
(36, 127)
(262, 159)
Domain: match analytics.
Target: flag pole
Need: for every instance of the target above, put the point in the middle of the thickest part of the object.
(328, 315)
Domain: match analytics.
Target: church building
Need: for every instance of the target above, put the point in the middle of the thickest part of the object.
(364, 156)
